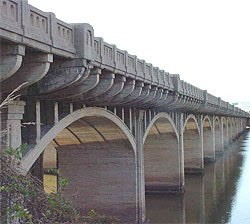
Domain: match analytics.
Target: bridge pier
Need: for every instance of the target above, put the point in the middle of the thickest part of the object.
(218, 131)
(11, 116)
(208, 140)
(163, 156)
(193, 154)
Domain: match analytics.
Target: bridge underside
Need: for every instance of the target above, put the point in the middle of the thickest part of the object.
(99, 163)
(193, 160)
(161, 159)
(208, 147)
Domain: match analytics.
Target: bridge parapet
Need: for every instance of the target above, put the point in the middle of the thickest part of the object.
(109, 57)
(27, 25)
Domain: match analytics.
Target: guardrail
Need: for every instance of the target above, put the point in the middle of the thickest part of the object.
(35, 28)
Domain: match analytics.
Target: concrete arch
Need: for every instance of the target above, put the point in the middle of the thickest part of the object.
(29, 159)
(208, 119)
(162, 160)
(96, 152)
(191, 117)
(219, 146)
(229, 124)
(233, 128)
(208, 140)
(161, 115)
(193, 155)
(224, 125)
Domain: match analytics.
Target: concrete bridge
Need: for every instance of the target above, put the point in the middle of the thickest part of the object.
(115, 125)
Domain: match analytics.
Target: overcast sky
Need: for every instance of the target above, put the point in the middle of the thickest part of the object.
(207, 42)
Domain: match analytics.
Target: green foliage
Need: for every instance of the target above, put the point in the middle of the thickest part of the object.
(24, 200)
(16, 153)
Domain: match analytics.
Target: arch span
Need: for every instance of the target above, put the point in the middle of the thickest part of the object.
(96, 153)
(208, 141)
(229, 123)
(162, 160)
(29, 159)
(193, 155)
(219, 146)
(225, 132)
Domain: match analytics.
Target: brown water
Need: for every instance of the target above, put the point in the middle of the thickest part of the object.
(222, 195)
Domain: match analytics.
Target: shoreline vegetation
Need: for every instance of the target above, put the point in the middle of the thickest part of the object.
(24, 199)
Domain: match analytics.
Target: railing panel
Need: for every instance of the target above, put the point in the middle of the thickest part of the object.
(10, 15)
(37, 25)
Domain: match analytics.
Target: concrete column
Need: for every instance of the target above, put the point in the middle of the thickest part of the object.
(10, 133)
(200, 121)
(180, 122)
(222, 135)
(141, 207)
(11, 117)
(225, 135)
(218, 131)
(208, 141)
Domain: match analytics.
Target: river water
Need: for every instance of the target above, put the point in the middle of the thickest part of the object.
(221, 195)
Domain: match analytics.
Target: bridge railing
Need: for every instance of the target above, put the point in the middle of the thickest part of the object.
(119, 60)
(33, 27)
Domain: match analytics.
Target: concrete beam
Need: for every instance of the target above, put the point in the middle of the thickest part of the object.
(115, 89)
(34, 67)
(62, 74)
(85, 84)
(10, 60)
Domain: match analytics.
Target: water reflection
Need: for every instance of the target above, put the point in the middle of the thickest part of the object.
(220, 196)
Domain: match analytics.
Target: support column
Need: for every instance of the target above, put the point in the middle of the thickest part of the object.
(141, 207)
(226, 135)
(200, 122)
(180, 123)
(11, 117)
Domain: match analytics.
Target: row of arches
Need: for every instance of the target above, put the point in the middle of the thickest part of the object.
(95, 150)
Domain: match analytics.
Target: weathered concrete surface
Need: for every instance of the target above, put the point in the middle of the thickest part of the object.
(101, 177)
(99, 162)
(218, 130)
(208, 140)
(161, 159)
(193, 155)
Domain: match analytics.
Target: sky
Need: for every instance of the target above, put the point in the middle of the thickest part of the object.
(207, 42)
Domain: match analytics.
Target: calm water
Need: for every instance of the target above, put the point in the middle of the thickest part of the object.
(222, 195)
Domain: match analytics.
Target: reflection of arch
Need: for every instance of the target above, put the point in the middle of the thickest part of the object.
(161, 115)
(35, 152)
(162, 161)
(193, 155)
